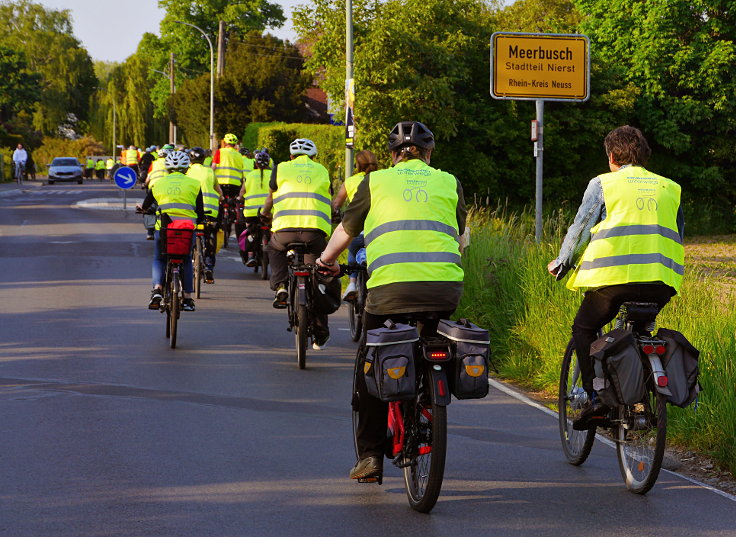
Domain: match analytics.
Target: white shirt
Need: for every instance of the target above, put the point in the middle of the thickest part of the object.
(20, 155)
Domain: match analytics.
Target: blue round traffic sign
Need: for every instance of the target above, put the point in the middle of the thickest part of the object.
(125, 177)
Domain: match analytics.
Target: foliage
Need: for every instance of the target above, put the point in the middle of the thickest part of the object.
(19, 88)
(63, 147)
(68, 77)
(264, 81)
(529, 315)
(677, 57)
(250, 138)
(328, 139)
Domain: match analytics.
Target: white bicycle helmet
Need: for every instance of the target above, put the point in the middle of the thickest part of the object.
(303, 146)
(176, 160)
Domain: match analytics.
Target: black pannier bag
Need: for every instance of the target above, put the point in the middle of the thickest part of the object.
(325, 294)
(468, 371)
(680, 362)
(389, 362)
(618, 368)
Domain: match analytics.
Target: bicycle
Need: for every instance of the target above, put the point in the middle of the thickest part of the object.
(229, 212)
(417, 427)
(19, 172)
(177, 246)
(259, 245)
(357, 305)
(639, 430)
(198, 259)
(299, 304)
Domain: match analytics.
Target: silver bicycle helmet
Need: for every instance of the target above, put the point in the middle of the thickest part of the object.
(176, 160)
(303, 146)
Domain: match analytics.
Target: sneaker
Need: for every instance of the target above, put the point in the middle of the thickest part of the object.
(351, 291)
(187, 304)
(368, 469)
(282, 295)
(156, 298)
(320, 342)
(149, 236)
(209, 277)
(591, 416)
(251, 260)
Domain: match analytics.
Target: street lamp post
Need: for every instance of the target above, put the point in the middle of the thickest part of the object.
(212, 82)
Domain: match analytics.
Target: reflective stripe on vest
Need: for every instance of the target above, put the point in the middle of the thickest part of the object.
(229, 170)
(130, 157)
(158, 170)
(210, 197)
(302, 200)
(411, 229)
(256, 192)
(352, 183)
(176, 195)
(638, 240)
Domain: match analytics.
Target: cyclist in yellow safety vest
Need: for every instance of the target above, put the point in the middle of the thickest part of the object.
(157, 169)
(249, 161)
(211, 194)
(630, 229)
(130, 158)
(413, 216)
(178, 197)
(365, 162)
(228, 165)
(100, 169)
(89, 168)
(299, 193)
(254, 193)
(109, 165)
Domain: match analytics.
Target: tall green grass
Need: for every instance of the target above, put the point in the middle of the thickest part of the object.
(529, 316)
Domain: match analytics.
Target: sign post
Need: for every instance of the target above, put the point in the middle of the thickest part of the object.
(540, 67)
(125, 178)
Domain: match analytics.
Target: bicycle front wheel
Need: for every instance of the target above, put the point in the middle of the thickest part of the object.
(571, 396)
(641, 436)
(426, 448)
(175, 308)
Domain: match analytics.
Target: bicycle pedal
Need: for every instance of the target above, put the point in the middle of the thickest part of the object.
(373, 479)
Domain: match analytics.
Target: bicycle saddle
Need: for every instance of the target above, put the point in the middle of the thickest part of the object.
(297, 246)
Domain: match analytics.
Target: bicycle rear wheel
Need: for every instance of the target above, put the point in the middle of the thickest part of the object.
(426, 448)
(264, 263)
(175, 308)
(198, 264)
(571, 396)
(641, 436)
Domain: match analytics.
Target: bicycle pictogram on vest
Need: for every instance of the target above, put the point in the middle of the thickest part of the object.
(418, 194)
(173, 190)
(306, 179)
(650, 203)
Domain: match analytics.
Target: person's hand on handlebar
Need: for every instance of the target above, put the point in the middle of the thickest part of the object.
(332, 269)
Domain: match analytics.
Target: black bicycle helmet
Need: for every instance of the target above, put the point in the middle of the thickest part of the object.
(197, 155)
(407, 133)
(262, 159)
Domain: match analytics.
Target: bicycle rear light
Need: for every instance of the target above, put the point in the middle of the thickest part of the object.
(659, 349)
(647, 349)
(662, 381)
(301, 273)
(438, 356)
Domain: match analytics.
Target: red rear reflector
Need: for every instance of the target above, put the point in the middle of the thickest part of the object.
(659, 349)
(437, 355)
(425, 449)
(441, 388)
(648, 349)
(662, 381)
(301, 273)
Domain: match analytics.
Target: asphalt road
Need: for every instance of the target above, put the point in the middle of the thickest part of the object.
(105, 431)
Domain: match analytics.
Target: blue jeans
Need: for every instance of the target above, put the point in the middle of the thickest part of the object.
(159, 267)
(356, 244)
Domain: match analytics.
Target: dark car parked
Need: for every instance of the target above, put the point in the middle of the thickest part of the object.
(65, 169)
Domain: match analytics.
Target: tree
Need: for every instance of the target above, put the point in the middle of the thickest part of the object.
(264, 82)
(676, 57)
(19, 88)
(68, 78)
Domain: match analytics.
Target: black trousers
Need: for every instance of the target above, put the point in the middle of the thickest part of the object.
(600, 307)
(372, 412)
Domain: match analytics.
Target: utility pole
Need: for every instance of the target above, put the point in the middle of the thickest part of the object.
(221, 49)
(172, 89)
(349, 90)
